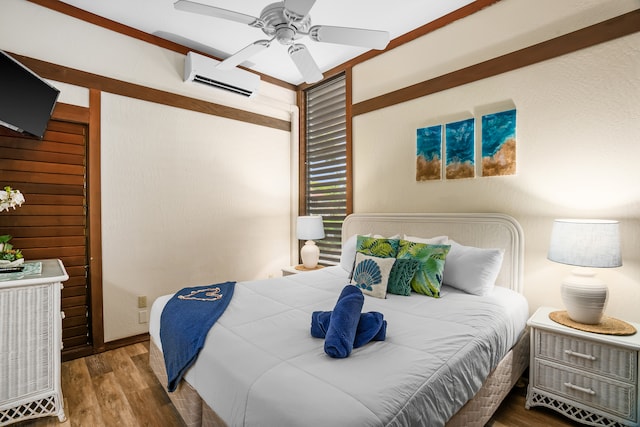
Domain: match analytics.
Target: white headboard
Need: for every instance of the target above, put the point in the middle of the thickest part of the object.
(483, 230)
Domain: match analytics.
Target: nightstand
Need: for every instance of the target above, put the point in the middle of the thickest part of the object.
(31, 337)
(295, 269)
(591, 378)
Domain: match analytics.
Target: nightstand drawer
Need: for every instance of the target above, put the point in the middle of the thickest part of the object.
(614, 362)
(614, 397)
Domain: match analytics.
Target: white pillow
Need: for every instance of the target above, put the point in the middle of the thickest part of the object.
(472, 270)
(439, 240)
(348, 254)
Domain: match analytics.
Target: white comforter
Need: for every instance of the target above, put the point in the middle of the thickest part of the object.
(261, 367)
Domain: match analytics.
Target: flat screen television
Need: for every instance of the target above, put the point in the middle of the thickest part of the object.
(26, 100)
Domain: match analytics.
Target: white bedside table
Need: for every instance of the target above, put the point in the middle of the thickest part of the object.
(30, 342)
(295, 269)
(591, 378)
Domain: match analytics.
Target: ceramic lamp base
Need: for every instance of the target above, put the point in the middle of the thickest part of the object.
(584, 296)
(310, 254)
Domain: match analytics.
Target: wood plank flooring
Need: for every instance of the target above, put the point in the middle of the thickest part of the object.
(117, 388)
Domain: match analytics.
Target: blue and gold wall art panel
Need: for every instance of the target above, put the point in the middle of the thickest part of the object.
(429, 153)
(460, 149)
(499, 143)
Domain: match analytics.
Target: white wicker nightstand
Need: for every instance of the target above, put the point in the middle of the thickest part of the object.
(591, 378)
(30, 344)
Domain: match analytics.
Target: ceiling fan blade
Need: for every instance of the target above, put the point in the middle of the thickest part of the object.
(372, 39)
(244, 54)
(194, 45)
(203, 9)
(305, 63)
(299, 8)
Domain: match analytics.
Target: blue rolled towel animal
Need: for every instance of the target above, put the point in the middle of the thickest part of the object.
(344, 320)
(371, 327)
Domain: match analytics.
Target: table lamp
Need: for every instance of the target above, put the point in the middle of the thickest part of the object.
(586, 244)
(310, 228)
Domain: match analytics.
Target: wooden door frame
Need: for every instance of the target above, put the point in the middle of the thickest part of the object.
(90, 116)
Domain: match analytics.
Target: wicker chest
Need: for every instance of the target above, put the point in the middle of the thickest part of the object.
(591, 378)
(30, 343)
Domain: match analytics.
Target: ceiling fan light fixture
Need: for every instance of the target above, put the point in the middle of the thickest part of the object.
(285, 35)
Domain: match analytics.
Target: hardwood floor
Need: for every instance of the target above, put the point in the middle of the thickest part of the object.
(512, 413)
(117, 388)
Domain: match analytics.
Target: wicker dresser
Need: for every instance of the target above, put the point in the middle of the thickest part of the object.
(30, 342)
(591, 378)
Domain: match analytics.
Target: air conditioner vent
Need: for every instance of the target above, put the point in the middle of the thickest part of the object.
(215, 83)
(201, 69)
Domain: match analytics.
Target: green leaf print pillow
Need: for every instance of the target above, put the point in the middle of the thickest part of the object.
(373, 246)
(428, 278)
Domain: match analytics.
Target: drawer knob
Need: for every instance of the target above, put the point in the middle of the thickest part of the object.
(580, 355)
(578, 388)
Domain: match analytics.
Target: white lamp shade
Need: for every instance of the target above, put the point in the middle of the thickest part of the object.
(310, 228)
(591, 244)
(585, 243)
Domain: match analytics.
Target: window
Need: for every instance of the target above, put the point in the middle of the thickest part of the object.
(326, 186)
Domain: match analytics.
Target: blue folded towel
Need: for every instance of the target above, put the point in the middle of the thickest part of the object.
(185, 322)
(371, 327)
(344, 320)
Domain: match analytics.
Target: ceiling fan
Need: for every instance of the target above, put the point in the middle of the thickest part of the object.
(287, 21)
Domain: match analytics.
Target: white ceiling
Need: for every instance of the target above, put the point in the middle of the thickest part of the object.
(222, 38)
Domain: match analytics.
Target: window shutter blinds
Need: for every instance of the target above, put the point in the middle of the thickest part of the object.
(326, 163)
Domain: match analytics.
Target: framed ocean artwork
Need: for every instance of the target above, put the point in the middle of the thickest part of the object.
(499, 143)
(460, 149)
(429, 153)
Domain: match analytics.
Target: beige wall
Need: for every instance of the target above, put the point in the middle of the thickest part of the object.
(187, 198)
(578, 127)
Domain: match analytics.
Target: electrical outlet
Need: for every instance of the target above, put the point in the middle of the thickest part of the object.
(142, 301)
(142, 316)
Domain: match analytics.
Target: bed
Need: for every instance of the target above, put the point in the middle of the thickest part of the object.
(445, 361)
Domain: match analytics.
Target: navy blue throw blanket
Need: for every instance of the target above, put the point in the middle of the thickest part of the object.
(371, 327)
(185, 323)
(344, 320)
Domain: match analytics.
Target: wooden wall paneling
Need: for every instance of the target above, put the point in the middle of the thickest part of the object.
(95, 220)
(349, 137)
(302, 153)
(52, 222)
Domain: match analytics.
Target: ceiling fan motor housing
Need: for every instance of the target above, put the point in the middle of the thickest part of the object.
(282, 25)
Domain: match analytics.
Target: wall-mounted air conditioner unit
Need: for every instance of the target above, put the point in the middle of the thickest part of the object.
(201, 69)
